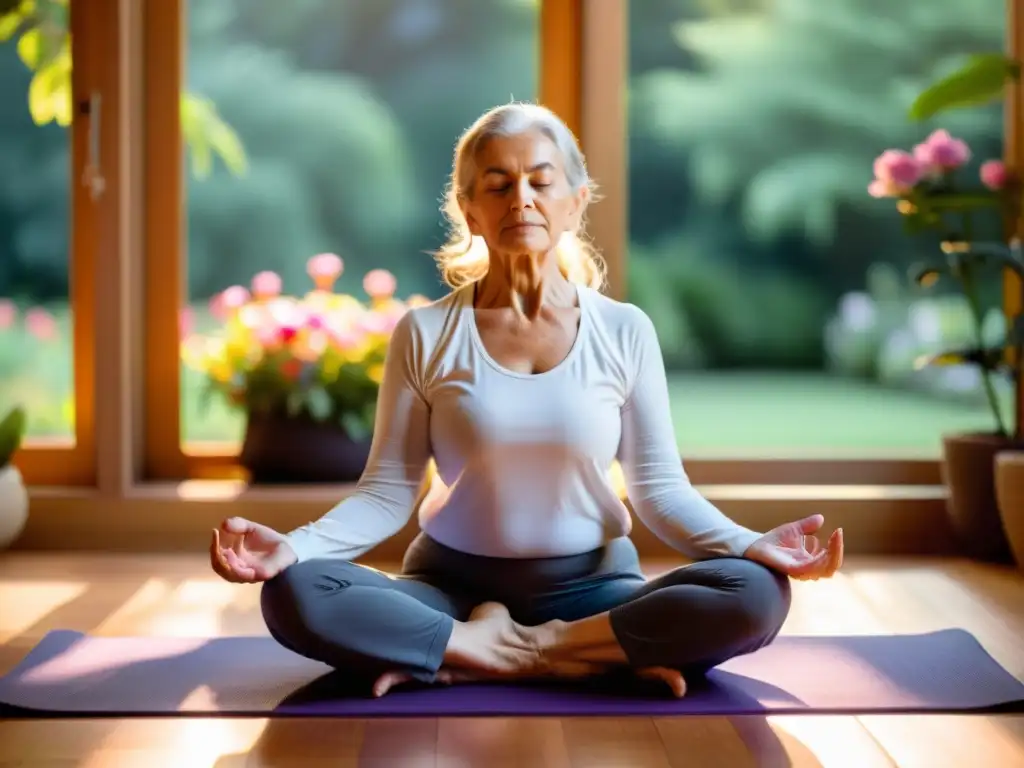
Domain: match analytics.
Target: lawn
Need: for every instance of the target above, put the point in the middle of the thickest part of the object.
(735, 414)
(811, 415)
(755, 414)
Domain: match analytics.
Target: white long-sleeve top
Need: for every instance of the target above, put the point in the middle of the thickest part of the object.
(525, 458)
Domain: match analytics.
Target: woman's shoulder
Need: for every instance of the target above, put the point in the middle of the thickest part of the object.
(625, 320)
(426, 325)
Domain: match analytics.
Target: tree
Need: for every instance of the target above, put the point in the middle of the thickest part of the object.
(44, 46)
(789, 105)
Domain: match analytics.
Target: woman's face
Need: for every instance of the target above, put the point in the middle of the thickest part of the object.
(521, 201)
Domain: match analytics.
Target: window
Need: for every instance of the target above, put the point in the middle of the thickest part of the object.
(327, 127)
(46, 241)
(778, 285)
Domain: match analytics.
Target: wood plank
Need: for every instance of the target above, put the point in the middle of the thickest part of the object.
(927, 597)
(170, 594)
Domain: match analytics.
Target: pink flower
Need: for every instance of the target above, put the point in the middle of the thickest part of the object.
(316, 322)
(228, 301)
(286, 311)
(8, 313)
(324, 269)
(268, 337)
(942, 152)
(41, 324)
(266, 285)
(374, 323)
(346, 338)
(994, 174)
(896, 173)
(379, 284)
(186, 321)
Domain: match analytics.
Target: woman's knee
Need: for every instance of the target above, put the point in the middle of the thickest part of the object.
(764, 597)
(285, 597)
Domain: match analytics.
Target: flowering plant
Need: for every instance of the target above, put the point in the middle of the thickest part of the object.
(930, 197)
(12, 432)
(319, 356)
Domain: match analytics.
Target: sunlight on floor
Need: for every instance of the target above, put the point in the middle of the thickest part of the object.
(820, 608)
(198, 743)
(192, 608)
(27, 603)
(83, 659)
(831, 740)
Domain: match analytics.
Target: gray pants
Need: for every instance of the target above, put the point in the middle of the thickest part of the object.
(367, 622)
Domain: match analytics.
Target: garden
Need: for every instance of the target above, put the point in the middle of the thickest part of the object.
(778, 283)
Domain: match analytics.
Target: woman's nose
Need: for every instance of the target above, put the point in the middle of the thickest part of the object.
(522, 197)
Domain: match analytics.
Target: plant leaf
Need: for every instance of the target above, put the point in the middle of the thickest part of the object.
(12, 432)
(987, 359)
(354, 426)
(296, 399)
(319, 403)
(29, 48)
(980, 81)
(10, 23)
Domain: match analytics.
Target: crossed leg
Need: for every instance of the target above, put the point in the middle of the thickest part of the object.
(400, 628)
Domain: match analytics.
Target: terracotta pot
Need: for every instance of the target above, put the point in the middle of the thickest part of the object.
(968, 470)
(1010, 496)
(279, 449)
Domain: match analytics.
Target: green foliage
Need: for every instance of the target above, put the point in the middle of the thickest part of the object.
(348, 398)
(964, 264)
(786, 104)
(12, 432)
(44, 46)
(207, 135)
(981, 81)
(712, 313)
(890, 333)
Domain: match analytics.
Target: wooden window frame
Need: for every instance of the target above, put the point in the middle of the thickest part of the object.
(59, 461)
(584, 73)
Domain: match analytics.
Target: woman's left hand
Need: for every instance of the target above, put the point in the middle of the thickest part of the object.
(795, 550)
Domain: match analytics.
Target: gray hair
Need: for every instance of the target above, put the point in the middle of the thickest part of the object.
(464, 259)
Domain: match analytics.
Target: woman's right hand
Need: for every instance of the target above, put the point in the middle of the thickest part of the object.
(242, 551)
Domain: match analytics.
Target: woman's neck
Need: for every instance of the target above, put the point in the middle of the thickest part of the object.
(525, 283)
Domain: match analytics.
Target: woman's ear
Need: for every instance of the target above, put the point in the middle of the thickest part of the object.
(474, 228)
(580, 202)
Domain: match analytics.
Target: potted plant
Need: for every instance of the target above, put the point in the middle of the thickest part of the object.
(305, 370)
(931, 198)
(13, 496)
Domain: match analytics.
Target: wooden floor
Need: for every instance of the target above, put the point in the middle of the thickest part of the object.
(113, 595)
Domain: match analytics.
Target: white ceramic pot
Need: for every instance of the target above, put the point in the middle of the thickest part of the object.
(13, 505)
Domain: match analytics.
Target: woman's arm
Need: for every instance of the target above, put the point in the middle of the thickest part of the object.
(657, 485)
(384, 497)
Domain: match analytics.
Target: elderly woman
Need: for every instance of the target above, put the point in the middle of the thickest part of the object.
(524, 384)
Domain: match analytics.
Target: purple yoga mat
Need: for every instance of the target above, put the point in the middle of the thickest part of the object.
(71, 674)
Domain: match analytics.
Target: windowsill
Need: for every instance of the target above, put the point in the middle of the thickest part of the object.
(213, 491)
(176, 517)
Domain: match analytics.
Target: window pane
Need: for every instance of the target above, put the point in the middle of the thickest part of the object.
(347, 112)
(779, 287)
(36, 364)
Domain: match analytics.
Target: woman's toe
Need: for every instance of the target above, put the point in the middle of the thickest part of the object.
(673, 678)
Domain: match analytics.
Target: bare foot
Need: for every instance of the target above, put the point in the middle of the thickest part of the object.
(488, 646)
(673, 678)
(491, 644)
(444, 676)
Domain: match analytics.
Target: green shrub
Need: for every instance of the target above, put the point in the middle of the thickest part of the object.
(729, 316)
